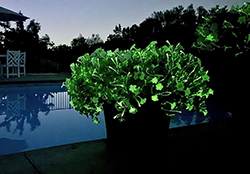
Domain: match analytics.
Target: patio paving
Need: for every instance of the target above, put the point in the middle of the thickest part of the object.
(36, 78)
(207, 146)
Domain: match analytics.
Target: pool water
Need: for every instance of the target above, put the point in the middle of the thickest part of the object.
(34, 116)
(39, 116)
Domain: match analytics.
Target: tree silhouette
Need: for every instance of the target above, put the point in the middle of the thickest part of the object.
(34, 28)
(202, 12)
(145, 32)
(79, 46)
(189, 25)
(118, 30)
(94, 39)
(161, 26)
(94, 42)
(78, 42)
(46, 42)
(60, 58)
(134, 33)
(114, 40)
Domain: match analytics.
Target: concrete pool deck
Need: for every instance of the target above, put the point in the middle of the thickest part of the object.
(211, 145)
(36, 78)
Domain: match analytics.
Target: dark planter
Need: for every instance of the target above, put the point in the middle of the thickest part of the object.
(147, 129)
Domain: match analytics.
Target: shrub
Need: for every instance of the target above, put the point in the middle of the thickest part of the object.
(167, 75)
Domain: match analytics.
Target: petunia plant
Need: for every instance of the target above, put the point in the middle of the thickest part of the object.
(166, 75)
(214, 31)
(227, 37)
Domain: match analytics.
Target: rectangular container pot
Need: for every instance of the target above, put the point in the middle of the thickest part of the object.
(147, 129)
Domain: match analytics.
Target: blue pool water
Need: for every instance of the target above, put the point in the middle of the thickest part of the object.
(34, 116)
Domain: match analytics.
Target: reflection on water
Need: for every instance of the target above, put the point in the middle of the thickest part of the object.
(186, 118)
(41, 116)
(38, 116)
(20, 108)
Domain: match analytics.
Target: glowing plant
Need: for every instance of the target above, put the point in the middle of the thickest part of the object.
(210, 34)
(165, 74)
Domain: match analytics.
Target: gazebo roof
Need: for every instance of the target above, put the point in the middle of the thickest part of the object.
(8, 15)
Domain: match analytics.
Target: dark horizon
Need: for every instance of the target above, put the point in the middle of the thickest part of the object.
(101, 20)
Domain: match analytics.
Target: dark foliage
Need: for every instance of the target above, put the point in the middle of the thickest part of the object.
(177, 25)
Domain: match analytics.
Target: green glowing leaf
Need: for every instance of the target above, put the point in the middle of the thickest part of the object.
(191, 101)
(205, 112)
(99, 109)
(199, 93)
(133, 47)
(142, 75)
(173, 105)
(159, 86)
(211, 91)
(95, 99)
(155, 98)
(154, 80)
(96, 121)
(86, 106)
(109, 53)
(102, 53)
(190, 107)
(178, 65)
(187, 92)
(137, 67)
(242, 19)
(71, 103)
(143, 101)
(136, 76)
(199, 61)
(210, 37)
(132, 87)
(116, 50)
(133, 110)
(205, 77)
(180, 86)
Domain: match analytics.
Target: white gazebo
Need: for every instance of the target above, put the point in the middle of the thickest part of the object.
(7, 15)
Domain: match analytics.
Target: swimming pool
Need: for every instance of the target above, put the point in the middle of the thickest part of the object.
(34, 116)
(39, 116)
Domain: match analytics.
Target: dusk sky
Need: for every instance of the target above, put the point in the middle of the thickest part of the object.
(64, 20)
